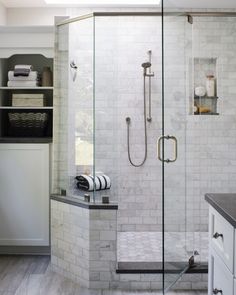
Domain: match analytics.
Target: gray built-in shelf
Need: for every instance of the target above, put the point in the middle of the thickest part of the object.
(25, 88)
(9, 139)
(25, 108)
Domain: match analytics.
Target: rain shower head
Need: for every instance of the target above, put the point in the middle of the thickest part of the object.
(146, 65)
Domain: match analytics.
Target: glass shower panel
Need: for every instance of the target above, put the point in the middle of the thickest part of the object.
(211, 135)
(178, 240)
(106, 99)
(75, 104)
(124, 44)
(60, 115)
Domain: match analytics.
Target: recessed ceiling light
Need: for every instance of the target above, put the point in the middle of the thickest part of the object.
(104, 2)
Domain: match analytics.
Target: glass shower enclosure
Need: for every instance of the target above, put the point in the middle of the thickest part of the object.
(120, 104)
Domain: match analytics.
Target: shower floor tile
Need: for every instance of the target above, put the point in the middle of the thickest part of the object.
(147, 246)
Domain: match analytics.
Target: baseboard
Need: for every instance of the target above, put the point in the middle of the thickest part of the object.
(25, 250)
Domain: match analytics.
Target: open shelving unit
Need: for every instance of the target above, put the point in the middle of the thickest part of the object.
(25, 45)
(25, 143)
(38, 61)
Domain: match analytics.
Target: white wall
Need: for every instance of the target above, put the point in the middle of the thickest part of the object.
(33, 16)
(2, 15)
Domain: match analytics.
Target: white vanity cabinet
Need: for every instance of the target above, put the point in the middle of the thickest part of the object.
(222, 253)
(24, 194)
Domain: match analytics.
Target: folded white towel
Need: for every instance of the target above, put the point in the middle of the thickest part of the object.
(27, 67)
(22, 83)
(33, 76)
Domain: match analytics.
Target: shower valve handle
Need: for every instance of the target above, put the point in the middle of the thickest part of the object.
(216, 291)
(217, 235)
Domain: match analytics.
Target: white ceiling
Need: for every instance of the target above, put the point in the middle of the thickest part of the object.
(173, 3)
(23, 3)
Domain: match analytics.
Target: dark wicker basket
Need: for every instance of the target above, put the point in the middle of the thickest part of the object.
(27, 124)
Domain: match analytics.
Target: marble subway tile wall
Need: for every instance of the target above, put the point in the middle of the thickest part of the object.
(80, 135)
(211, 140)
(60, 115)
(121, 47)
(206, 160)
(73, 119)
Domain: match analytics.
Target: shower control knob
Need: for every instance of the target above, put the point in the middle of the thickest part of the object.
(216, 291)
(217, 235)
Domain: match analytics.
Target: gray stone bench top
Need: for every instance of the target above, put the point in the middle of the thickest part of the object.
(79, 203)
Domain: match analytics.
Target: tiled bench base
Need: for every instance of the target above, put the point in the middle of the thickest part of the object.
(84, 249)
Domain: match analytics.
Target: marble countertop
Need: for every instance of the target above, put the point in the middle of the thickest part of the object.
(225, 204)
(80, 203)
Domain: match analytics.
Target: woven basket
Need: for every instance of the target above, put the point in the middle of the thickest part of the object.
(27, 124)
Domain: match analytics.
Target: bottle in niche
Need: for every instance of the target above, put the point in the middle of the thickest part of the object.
(47, 77)
(211, 86)
(195, 109)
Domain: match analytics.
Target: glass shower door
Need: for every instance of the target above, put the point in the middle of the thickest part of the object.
(176, 53)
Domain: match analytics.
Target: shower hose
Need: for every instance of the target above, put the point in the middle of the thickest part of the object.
(128, 121)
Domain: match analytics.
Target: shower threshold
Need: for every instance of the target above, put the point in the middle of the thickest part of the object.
(141, 252)
(157, 267)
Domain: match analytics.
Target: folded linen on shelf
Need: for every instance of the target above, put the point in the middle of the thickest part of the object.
(22, 70)
(26, 67)
(22, 83)
(33, 75)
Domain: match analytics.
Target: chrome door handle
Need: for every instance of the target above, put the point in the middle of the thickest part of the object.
(159, 148)
(175, 148)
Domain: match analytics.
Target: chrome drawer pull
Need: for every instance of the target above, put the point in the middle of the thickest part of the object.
(216, 291)
(217, 235)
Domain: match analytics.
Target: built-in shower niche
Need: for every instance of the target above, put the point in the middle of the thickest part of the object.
(205, 73)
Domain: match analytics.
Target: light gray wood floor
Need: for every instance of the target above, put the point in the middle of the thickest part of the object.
(31, 275)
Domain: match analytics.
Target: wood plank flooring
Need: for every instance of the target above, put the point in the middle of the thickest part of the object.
(31, 275)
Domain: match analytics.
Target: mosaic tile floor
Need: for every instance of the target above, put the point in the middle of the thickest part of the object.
(147, 246)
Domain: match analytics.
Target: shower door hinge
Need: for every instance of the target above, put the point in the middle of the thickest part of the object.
(190, 19)
(191, 261)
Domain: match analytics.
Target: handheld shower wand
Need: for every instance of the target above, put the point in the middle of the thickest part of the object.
(145, 65)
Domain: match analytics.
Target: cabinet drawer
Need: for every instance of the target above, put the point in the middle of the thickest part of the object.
(222, 238)
(222, 278)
